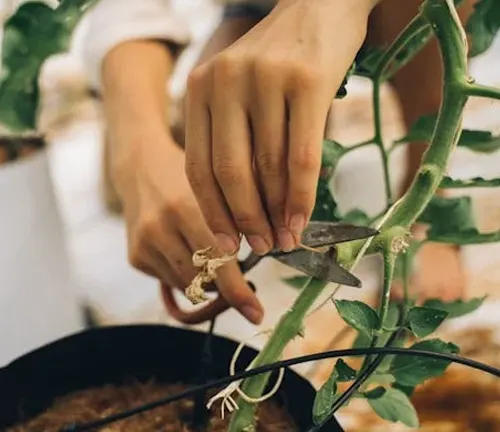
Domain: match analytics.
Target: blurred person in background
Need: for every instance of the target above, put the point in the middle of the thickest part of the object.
(131, 50)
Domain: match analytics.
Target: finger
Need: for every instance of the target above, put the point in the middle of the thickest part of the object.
(230, 281)
(308, 113)
(232, 165)
(150, 264)
(269, 126)
(176, 255)
(199, 163)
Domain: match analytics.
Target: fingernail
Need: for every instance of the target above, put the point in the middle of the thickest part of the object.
(258, 244)
(253, 314)
(226, 243)
(286, 241)
(297, 224)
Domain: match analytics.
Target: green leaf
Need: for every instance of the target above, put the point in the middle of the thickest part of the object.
(298, 282)
(344, 371)
(393, 405)
(31, 35)
(483, 25)
(356, 217)
(410, 371)
(451, 220)
(331, 153)
(367, 61)
(381, 378)
(424, 320)
(476, 182)
(325, 398)
(358, 315)
(407, 390)
(477, 141)
(456, 308)
(448, 215)
(466, 237)
(362, 340)
(325, 208)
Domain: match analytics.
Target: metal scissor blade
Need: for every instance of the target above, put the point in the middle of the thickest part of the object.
(321, 266)
(319, 233)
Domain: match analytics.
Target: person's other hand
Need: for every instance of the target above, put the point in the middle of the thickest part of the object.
(255, 119)
(164, 224)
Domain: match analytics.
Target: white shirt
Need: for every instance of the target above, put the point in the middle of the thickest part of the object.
(112, 22)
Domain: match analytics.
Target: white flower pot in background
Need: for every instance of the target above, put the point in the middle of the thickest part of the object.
(38, 302)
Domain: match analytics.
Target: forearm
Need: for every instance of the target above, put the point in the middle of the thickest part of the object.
(134, 79)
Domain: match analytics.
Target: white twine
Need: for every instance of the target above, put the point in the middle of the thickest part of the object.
(225, 394)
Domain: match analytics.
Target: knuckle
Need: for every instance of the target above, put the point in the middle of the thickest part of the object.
(195, 173)
(304, 158)
(136, 256)
(305, 77)
(227, 67)
(246, 221)
(270, 164)
(196, 79)
(226, 170)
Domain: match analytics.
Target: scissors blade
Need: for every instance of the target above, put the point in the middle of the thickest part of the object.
(322, 266)
(319, 233)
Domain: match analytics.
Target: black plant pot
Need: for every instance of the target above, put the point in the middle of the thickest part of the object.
(112, 355)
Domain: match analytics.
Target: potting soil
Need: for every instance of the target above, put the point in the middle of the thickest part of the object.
(92, 404)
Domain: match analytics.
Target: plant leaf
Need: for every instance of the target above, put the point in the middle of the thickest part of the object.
(298, 282)
(483, 25)
(31, 35)
(476, 182)
(325, 208)
(424, 320)
(325, 398)
(362, 340)
(448, 215)
(475, 140)
(393, 405)
(410, 371)
(344, 371)
(451, 220)
(331, 153)
(456, 308)
(358, 315)
(356, 217)
(367, 61)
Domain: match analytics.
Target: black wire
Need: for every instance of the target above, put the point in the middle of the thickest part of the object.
(352, 352)
(364, 374)
(360, 380)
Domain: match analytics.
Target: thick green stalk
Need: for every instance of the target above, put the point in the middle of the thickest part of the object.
(450, 36)
(288, 328)
(448, 127)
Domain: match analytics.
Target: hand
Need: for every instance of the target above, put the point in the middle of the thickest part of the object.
(255, 118)
(164, 224)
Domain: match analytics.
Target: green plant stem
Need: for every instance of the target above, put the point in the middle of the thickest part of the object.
(448, 127)
(389, 264)
(359, 145)
(482, 91)
(379, 140)
(288, 328)
(453, 50)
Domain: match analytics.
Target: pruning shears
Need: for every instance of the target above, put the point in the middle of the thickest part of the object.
(317, 257)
